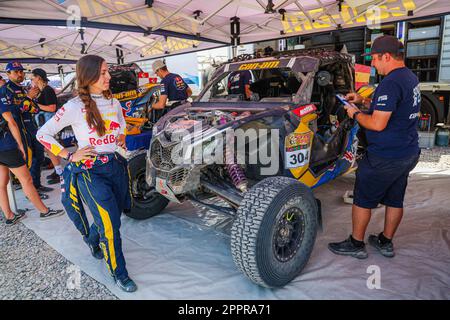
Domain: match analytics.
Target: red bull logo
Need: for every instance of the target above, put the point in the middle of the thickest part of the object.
(110, 126)
(88, 164)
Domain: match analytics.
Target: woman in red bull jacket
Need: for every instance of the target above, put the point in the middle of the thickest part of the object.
(95, 174)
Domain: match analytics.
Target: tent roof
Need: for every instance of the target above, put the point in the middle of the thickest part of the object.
(144, 29)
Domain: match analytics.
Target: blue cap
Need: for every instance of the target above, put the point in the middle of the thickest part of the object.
(14, 65)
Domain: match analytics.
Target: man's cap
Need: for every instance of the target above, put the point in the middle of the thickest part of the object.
(386, 44)
(158, 64)
(41, 73)
(14, 65)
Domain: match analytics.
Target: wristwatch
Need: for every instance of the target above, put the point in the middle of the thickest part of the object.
(355, 114)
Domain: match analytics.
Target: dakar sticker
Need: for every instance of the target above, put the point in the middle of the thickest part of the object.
(297, 141)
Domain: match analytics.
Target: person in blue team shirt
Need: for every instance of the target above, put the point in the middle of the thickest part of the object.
(13, 149)
(392, 152)
(23, 108)
(174, 89)
(239, 83)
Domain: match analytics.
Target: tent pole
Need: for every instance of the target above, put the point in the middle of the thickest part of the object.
(170, 15)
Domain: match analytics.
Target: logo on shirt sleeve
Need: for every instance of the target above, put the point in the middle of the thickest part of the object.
(179, 83)
(382, 98)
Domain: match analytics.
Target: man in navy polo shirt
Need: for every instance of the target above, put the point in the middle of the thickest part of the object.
(392, 152)
(23, 108)
(173, 87)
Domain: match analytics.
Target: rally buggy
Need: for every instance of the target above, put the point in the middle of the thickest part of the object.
(294, 114)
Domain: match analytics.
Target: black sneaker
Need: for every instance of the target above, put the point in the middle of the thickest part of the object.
(386, 249)
(44, 189)
(52, 176)
(126, 284)
(17, 217)
(95, 250)
(51, 213)
(347, 248)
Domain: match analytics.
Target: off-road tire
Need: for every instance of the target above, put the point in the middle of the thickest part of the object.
(143, 209)
(252, 233)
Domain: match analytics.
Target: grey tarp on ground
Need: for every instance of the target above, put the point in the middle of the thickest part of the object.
(184, 253)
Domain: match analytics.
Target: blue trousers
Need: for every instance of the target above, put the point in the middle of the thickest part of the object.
(105, 189)
(37, 151)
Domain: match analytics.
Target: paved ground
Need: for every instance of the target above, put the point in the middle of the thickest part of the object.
(31, 269)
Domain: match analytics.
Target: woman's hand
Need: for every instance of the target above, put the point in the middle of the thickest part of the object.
(121, 141)
(84, 154)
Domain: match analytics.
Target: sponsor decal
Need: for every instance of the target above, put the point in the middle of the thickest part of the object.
(59, 114)
(179, 83)
(304, 110)
(108, 139)
(297, 141)
(259, 65)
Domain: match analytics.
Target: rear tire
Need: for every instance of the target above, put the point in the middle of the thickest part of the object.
(146, 201)
(274, 231)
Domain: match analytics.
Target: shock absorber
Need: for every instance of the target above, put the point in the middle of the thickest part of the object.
(236, 173)
(237, 176)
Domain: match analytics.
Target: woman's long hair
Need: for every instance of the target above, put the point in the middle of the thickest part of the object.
(88, 72)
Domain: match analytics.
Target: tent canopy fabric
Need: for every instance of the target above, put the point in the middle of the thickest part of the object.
(58, 31)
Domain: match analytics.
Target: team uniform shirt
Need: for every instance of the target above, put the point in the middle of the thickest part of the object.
(237, 81)
(7, 141)
(73, 113)
(21, 106)
(174, 87)
(398, 93)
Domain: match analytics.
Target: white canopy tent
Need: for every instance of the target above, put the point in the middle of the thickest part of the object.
(60, 32)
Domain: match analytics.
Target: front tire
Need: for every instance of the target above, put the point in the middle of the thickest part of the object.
(146, 201)
(274, 231)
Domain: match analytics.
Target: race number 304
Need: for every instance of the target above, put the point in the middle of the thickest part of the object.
(297, 158)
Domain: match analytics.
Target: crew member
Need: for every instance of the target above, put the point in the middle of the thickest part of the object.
(47, 101)
(239, 83)
(12, 158)
(392, 152)
(174, 90)
(23, 110)
(95, 173)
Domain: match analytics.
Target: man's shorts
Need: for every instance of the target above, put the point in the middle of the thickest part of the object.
(381, 180)
(11, 158)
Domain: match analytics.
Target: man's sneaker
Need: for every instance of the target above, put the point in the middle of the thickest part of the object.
(44, 189)
(386, 249)
(52, 176)
(347, 248)
(51, 214)
(17, 217)
(95, 250)
(126, 284)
